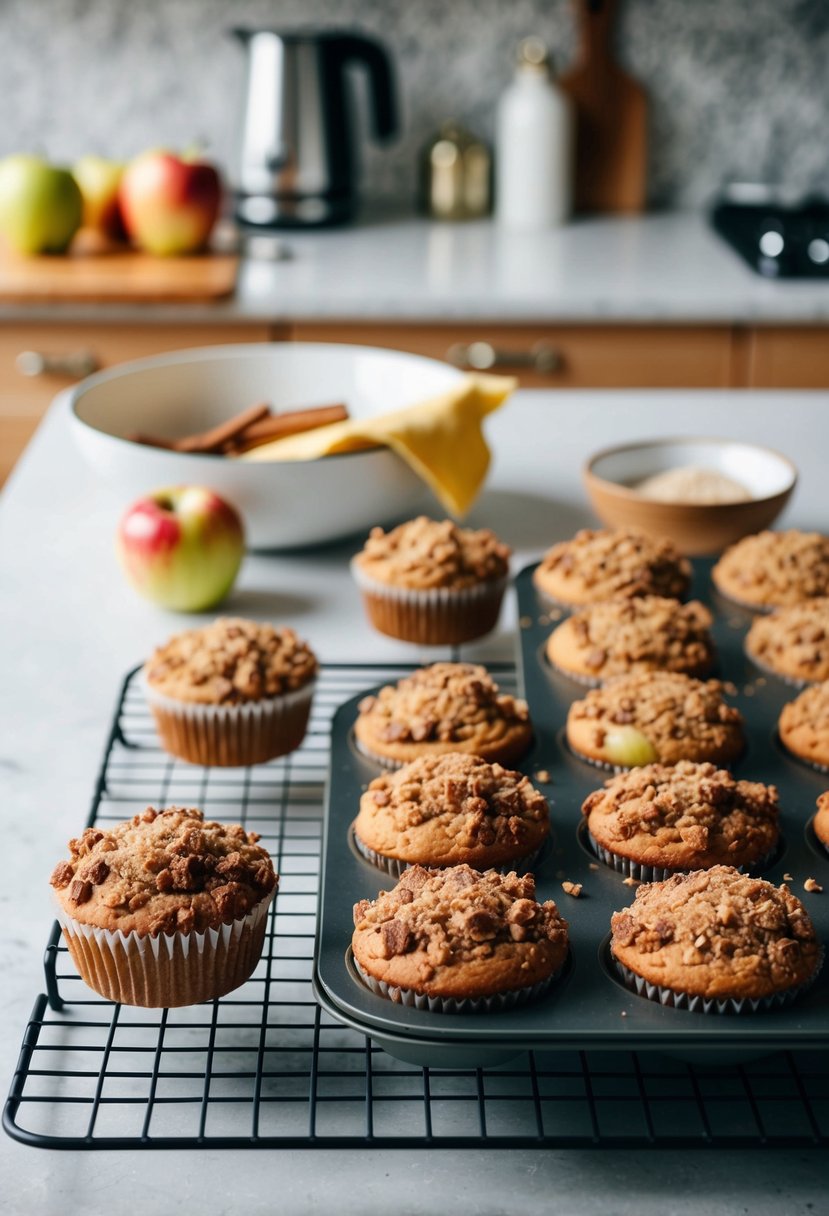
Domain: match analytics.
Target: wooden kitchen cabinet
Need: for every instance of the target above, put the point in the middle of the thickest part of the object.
(70, 351)
(782, 356)
(566, 356)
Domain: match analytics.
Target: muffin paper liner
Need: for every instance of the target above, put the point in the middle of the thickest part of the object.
(232, 736)
(813, 764)
(445, 1004)
(436, 616)
(644, 873)
(793, 681)
(170, 969)
(701, 1004)
(381, 761)
(396, 867)
(597, 681)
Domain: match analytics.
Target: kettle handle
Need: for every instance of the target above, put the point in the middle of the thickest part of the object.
(381, 76)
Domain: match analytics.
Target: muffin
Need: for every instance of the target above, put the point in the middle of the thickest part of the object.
(716, 941)
(232, 693)
(793, 642)
(820, 823)
(445, 810)
(448, 707)
(431, 582)
(600, 565)
(804, 726)
(166, 908)
(456, 940)
(657, 716)
(773, 569)
(625, 635)
(659, 819)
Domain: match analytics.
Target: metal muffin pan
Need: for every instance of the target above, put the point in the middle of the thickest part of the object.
(589, 1007)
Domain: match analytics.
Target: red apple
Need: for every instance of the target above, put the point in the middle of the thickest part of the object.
(169, 204)
(181, 547)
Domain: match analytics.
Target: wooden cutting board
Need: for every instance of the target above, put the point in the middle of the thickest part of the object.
(91, 274)
(611, 118)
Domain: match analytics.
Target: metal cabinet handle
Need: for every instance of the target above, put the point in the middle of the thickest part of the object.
(73, 366)
(483, 357)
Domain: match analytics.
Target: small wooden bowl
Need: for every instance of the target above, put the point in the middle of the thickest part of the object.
(610, 475)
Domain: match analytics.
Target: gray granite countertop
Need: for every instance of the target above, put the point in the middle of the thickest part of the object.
(70, 628)
(667, 268)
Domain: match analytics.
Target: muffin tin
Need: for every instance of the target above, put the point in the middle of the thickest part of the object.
(589, 1007)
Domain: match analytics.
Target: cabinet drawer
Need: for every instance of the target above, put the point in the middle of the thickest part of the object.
(780, 357)
(543, 356)
(59, 355)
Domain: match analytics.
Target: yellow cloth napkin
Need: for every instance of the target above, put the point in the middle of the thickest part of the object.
(441, 439)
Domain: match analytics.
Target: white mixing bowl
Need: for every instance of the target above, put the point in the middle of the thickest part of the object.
(285, 505)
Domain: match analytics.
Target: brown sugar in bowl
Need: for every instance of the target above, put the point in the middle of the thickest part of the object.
(696, 528)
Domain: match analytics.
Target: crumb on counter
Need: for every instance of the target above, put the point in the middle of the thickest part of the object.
(525, 622)
(630, 881)
(571, 888)
(543, 776)
(788, 878)
(593, 865)
(813, 886)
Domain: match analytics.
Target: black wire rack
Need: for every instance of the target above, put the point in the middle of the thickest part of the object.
(265, 1067)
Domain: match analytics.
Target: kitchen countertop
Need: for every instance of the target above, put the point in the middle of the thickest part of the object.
(71, 628)
(663, 268)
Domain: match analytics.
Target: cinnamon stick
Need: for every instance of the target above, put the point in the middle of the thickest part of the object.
(207, 441)
(292, 422)
(215, 439)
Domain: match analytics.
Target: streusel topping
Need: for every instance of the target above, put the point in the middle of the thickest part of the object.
(599, 564)
(626, 634)
(794, 641)
(743, 929)
(230, 662)
(772, 568)
(457, 915)
(697, 806)
(164, 872)
(666, 705)
(477, 802)
(448, 702)
(426, 553)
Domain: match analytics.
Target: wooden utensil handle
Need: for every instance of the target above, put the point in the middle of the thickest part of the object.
(595, 21)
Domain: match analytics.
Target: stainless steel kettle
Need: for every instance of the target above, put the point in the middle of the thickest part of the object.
(297, 163)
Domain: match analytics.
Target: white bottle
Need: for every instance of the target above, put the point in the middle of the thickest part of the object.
(533, 146)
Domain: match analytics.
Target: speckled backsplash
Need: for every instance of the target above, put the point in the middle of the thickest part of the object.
(738, 88)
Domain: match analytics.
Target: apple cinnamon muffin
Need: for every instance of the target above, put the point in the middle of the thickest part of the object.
(659, 819)
(456, 940)
(166, 908)
(451, 809)
(657, 716)
(820, 823)
(447, 707)
(633, 634)
(234, 692)
(432, 582)
(601, 564)
(793, 642)
(804, 726)
(774, 569)
(716, 941)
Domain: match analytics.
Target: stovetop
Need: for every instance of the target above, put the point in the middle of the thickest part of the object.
(778, 239)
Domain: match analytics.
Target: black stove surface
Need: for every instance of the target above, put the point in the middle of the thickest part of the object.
(778, 240)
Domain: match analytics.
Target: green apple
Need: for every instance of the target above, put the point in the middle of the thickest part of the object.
(628, 746)
(40, 205)
(181, 547)
(100, 180)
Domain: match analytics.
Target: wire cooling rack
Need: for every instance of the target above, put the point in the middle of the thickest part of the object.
(265, 1068)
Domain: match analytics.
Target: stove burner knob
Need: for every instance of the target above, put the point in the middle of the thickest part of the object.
(818, 251)
(771, 244)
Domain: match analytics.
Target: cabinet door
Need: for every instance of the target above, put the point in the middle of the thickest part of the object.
(37, 361)
(788, 357)
(546, 356)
